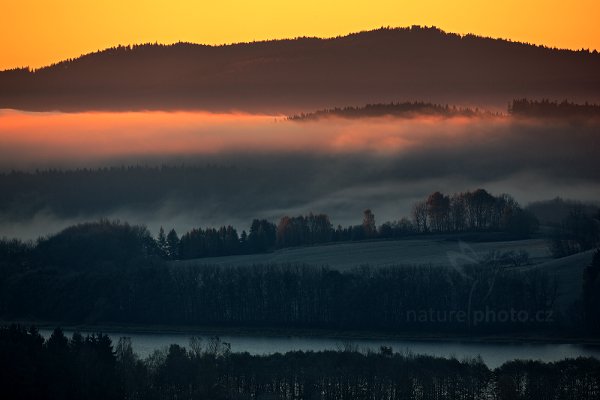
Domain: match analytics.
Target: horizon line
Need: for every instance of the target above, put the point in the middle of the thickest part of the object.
(289, 38)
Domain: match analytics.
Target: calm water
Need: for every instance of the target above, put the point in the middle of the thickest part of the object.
(493, 354)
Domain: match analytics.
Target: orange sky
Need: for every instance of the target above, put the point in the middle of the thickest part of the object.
(38, 32)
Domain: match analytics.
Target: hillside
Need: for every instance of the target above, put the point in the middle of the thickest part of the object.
(288, 76)
(436, 250)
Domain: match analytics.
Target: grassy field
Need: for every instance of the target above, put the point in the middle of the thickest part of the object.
(436, 251)
(440, 251)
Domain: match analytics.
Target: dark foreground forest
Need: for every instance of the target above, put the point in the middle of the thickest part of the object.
(115, 273)
(93, 368)
(109, 272)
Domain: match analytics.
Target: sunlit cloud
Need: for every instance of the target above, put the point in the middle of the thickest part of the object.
(38, 139)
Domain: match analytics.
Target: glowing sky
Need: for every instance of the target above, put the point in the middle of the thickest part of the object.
(38, 32)
(28, 138)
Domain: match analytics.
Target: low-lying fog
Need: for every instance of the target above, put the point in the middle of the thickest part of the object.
(265, 166)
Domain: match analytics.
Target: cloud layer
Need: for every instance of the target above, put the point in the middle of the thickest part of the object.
(268, 166)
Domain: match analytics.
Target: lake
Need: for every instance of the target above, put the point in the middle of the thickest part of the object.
(493, 354)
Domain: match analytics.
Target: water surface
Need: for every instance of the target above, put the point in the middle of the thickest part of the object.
(493, 354)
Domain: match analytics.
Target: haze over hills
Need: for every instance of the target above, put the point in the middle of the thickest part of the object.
(288, 76)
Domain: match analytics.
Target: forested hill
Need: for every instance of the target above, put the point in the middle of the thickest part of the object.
(402, 110)
(306, 73)
(518, 107)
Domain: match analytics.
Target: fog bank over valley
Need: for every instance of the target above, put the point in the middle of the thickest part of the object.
(190, 169)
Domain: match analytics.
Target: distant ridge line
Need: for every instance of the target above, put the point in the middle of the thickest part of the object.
(290, 76)
(133, 46)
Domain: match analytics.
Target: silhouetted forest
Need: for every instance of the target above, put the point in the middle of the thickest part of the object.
(92, 368)
(307, 73)
(404, 110)
(204, 189)
(472, 211)
(553, 109)
(222, 190)
(114, 273)
(477, 211)
(520, 107)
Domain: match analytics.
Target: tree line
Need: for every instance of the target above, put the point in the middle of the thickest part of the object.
(397, 109)
(114, 272)
(96, 281)
(477, 211)
(553, 109)
(32, 367)
(523, 107)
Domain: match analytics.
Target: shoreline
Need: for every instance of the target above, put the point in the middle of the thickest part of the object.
(360, 335)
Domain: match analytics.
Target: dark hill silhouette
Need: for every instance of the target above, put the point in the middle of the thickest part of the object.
(93, 243)
(306, 73)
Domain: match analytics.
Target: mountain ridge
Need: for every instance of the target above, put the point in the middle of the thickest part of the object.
(292, 75)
